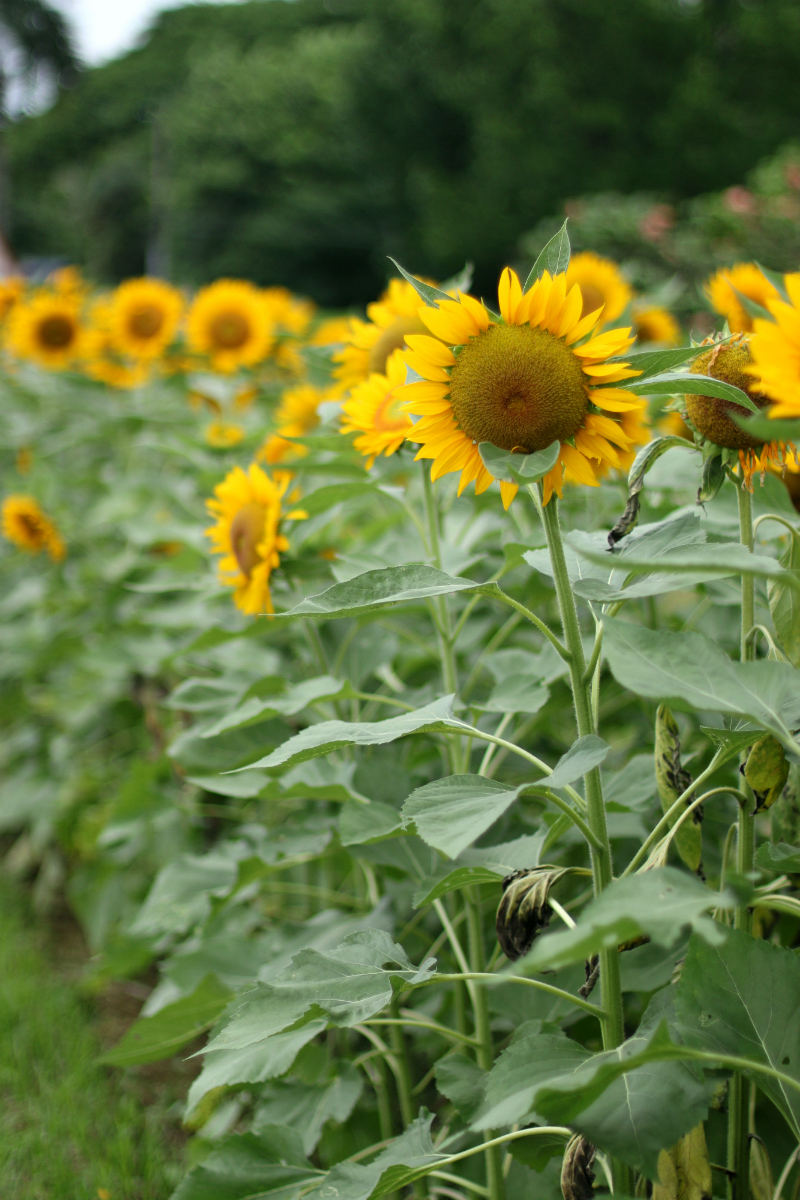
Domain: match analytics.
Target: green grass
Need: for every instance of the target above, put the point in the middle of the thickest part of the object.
(69, 1129)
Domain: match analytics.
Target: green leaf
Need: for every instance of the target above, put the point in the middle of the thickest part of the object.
(658, 904)
(202, 695)
(676, 383)
(462, 1082)
(751, 307)
(247, 1167)
(519, 1074)
(374, 590)
(426, 291)
(331, 735)
(290, 702)
(408, 1157)
(450, 814)
(709, 560)
(269, 1059)
(535, 1152)
(517, 694)
(731, 740)
(632, 789)
(740, 998)
(517, 467)
(308, 1108)
(691, 673)
(347, 985)
(763, 428)
(585, 754)
(779, 858)
(181, 894)
(162, 1035)
(361, 824)
(487, 865)
(784, 603)
(554, 257)
(452, 879)
(656, 362)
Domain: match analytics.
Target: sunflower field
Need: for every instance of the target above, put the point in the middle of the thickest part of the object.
(414, 700)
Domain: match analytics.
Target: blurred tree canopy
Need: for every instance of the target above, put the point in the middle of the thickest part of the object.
(301, 142)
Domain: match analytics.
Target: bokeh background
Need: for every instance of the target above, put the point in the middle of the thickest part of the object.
(300, 142)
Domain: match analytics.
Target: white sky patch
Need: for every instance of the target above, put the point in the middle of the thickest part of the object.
(104, 29)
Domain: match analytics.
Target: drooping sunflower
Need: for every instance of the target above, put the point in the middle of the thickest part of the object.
(747, 279)
(654, 324)
(47, 329)
(375, 409)
(369, 343)
(602, 285)
(710, 417)
(144, 315)
(229, 321)
(775, 348)
(520, 384)
(296, 415)
(27, 525)
(249, 517)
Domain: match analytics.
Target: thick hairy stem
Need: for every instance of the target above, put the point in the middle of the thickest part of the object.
(444, 631)
(483, 1033)
(610, 984)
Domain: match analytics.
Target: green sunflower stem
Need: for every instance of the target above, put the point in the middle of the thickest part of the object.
(485, 1051)
(739, 1101)
(581, 682)
(444, 629)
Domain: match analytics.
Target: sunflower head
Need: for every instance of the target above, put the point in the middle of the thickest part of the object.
(47, 329)
(375, 410)
(143, 317)
(602, 284)
(249, 515)
(296, 415)
(288, 313)
(368, 344)
(230, 322)
(776, 351)
(724, 291)
(27, 525)
(221, 435)
(654, 324)
(521, 384)
(709, 415)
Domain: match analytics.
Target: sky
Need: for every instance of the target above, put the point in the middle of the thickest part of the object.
(104, 29)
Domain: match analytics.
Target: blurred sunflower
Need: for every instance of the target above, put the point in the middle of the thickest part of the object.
(11, 290)
(710, 417)
(144, 315)
(248, 512)
(747, 279)
(68, 281)
(520, 384)
(221, 435)
(369, 343)
(776, 352)
(288, 313)
(602, 285)
(47, 329)
(375, 410)
(296, 415)
(331, 332)
(28, 526)
(229, 321)
(654, 324)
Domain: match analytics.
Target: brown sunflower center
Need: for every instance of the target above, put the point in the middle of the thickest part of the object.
(593, 298)
(392, 338)
(230, 330)
(247, 530)
(519, 388)
(146, 321)
(30, 527)
(709, 415)
(56, 332)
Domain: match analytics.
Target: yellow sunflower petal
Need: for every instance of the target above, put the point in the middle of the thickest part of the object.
(509, 295)
(578, 466)
(454, 325)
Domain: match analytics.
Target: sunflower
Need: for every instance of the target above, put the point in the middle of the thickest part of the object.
(602, 285)
(249, 515)
(776, 352)
(26, 524)
(333, 331)
(654, 324)
(710, 417)
(747, 279)
(520, 384)
(47, 329)
(68, 281)
(11, 290)
(369, 343)
(229, 321)
(144, 315)
(221, 436)
(375, 409)
(296, 415)
(288, 313)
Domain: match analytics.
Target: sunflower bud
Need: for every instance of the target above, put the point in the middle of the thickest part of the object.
(577, 1176)
(766, 770)
(710, 415)
(523, 911)
(672, 780)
